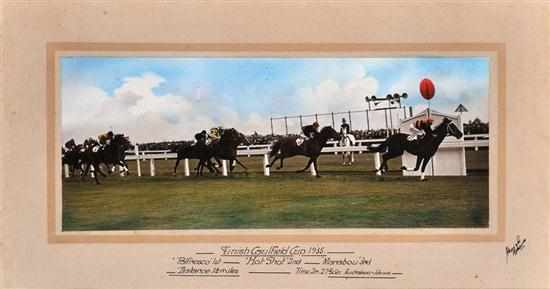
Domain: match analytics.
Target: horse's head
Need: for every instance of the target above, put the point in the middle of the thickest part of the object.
(122, 141)
(449, 128)
(328, 132)
(243, 139)
(231, 135)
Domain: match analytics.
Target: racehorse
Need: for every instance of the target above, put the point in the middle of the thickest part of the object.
(224, 148)
(196, 151)
(110, 154)
(347, 140)
(287, 147)
(424, 149)
(72, 158)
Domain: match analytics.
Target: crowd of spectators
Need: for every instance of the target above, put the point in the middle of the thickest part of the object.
(476, 127)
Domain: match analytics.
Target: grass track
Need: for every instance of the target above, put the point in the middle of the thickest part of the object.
(346, 197)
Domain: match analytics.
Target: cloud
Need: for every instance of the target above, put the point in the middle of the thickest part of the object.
(135, 109)
(332, 95)
(451, 90)
(148, 107)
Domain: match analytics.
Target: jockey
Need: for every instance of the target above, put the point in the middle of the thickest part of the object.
(214, 134)
(89, 144)
(344, 128)
(310, 131)
(200, 138)
(106, 138)
(419, 129)
(70, 145)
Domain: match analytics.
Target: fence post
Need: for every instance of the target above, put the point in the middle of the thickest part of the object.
(377, 163)
(266, 162)
(138, 164)
(66, 169)
(335, 145)
(352, 157)
(186, 165)
(312, 168)
(476, 148)
(248, 150)
(165, 156)
(152, 166)
(224, 168)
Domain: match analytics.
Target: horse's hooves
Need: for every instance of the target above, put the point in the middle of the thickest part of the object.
(423, 180)
(278, 168)
(317, 176)
(403, 168)
(267, 166)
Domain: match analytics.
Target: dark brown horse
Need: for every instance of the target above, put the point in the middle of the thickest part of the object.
(424, 148)
(111, 155)
(287, 147)
(224, 148)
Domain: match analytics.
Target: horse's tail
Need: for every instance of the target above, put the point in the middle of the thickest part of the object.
(380, 148)
(275, 147)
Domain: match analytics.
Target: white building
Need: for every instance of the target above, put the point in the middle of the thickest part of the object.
(448, 161)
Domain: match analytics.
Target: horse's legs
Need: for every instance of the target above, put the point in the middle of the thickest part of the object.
(211, 167)
(100, 171)
(176, 166)
(124, 166)
(96, 165)
(273, 161)
(241, 164)
(85, 171)
(417, 166)
(316, 169)
(424, 163)
(384, 165)
(307, 166)
(280, 163)
(384, 168)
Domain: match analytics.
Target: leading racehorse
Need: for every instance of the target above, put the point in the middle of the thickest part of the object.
(424, 149)
(287, 147)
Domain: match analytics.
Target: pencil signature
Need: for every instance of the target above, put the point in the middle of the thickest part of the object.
(518, 245)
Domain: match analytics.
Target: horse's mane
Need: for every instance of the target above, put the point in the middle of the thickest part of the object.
(442, 125)
(326, 128)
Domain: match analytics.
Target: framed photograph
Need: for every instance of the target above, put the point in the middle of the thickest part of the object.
(253, 149)
(274, 145)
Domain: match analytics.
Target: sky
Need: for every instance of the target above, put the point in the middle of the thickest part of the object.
(169, 98)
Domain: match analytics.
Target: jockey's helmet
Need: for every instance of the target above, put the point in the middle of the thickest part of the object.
(315, 124)
(344, 120)
(419, 124)
(110, 134)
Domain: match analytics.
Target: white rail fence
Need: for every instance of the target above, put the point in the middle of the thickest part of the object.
(469, 141)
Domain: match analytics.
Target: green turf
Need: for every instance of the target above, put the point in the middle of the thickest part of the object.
(345, 197)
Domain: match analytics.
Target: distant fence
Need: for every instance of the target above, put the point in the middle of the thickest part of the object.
(469, 141)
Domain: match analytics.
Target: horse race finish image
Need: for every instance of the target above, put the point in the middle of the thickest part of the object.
(180, 143)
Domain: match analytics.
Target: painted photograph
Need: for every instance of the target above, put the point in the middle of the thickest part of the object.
(186, 143)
